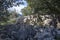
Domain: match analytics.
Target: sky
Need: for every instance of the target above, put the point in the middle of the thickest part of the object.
(18, 8)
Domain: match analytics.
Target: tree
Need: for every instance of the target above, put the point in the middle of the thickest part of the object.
(3, 11)
(26, 11)
(4, 5)
(50, 7)
(45, 6)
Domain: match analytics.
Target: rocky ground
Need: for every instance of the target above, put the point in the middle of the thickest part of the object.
(28, 32)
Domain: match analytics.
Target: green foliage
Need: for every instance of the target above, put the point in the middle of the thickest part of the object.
(45, 6)
(4, 14)
(27, 11)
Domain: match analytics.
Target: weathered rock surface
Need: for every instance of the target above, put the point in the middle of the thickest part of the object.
(28, 32)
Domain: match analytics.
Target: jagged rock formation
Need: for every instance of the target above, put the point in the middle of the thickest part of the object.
(28, 32)
(44, 20)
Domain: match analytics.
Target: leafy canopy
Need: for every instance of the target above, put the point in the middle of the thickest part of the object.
(45, 6)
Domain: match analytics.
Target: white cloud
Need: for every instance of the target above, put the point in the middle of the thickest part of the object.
(17, 8)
